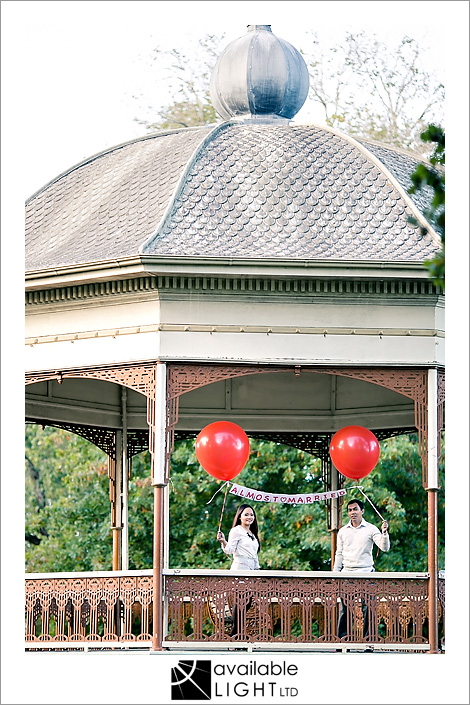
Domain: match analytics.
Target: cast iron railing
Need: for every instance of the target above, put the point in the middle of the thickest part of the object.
(104, 607)
(220, 607)
(296, 607)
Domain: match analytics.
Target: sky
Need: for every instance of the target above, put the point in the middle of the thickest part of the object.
(71, 69)
(69, 73)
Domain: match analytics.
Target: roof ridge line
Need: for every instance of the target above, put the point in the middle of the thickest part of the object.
(384, 170)
(181, 181)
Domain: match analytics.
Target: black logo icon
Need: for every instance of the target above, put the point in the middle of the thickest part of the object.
(191, 680)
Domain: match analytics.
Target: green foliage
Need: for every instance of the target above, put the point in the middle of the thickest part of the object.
(73, 523)
(433, 178)
(272, 468)
(296, 538)
(395, 488)
(140, 514)
(74, 513)
(68, 510)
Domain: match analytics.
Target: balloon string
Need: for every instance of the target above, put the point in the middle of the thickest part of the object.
(359, 487)
(223, 507)
(216, 493)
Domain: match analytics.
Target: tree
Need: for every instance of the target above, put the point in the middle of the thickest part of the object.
(296, 538)
(68, 515)
(366, 88)
(187, 79)
(67, 503)
(432, 178)
(371, 90)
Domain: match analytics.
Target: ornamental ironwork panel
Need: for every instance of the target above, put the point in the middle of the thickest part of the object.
(296, 610)
(182, 378)
(139, 377)
(229, 608)
(90, 609)
(412, 383)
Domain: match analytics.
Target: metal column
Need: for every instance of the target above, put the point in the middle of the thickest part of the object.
(159, 481)
(125, 486)
(117, 528)
(432, 489)
(334, 517)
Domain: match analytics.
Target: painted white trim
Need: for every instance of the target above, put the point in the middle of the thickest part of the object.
(159, 265)
(294, 574)
(208, 328)
(160, 426)
(259, 646)
(286, 647)
(222, 573)
(433, 458)
(90, 574)
(88, 645)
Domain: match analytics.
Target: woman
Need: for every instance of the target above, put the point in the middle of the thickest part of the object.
(243, 544)
(243, 541)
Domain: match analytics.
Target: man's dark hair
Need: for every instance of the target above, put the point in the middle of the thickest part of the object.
(355, 501)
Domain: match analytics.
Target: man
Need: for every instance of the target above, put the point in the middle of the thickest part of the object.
(354, 552)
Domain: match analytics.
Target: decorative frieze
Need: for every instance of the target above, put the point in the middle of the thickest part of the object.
(224, 285)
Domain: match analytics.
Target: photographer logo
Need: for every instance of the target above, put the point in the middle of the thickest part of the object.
(191, 680)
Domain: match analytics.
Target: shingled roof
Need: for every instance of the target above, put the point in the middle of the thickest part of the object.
(255, 191)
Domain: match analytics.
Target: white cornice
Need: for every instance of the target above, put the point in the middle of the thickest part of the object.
(150, 265)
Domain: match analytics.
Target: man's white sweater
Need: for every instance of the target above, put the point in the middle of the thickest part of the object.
(355, 544)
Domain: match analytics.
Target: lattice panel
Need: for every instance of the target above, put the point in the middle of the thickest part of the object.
(441, 390)
(186, 378)
(140, 378)
(318, 444)
(269, 609)
(104, 438)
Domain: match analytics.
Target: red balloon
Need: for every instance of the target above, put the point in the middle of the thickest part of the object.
(222, 448)
(354, 451)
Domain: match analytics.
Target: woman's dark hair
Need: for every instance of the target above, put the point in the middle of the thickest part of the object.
(237, 520)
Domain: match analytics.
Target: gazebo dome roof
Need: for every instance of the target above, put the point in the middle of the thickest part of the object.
(254, 187)
(275, 191)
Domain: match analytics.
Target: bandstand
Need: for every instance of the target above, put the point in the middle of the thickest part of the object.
(254, 270)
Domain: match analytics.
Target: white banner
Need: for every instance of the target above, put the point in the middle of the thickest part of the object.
(259, 496)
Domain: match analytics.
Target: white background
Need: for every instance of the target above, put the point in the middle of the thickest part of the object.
(71, 69)
(69, 74)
